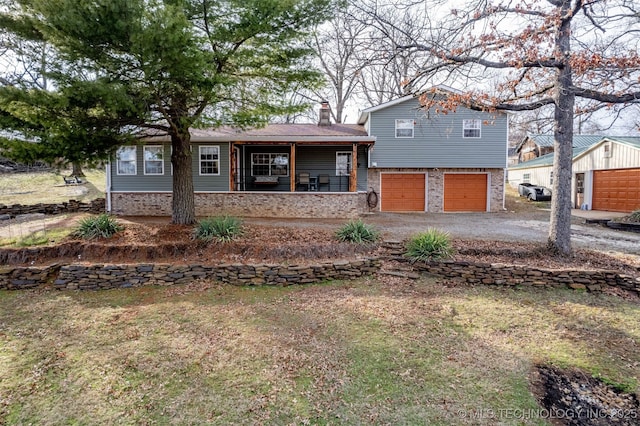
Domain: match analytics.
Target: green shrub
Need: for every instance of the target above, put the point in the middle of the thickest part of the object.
(357, 231)
(221, 228)
(101, 226)
(635, 216)
(430, 245)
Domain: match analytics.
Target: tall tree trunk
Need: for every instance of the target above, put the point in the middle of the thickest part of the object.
(76, 169)
(183, 204)
(560, 226)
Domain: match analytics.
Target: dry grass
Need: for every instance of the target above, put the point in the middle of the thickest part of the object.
(38, 229)
(515, 203)
(49, 187)
(383, 351)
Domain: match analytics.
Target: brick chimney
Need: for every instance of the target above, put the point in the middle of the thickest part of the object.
(325, 114)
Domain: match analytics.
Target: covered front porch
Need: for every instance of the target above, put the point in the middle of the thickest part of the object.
(299, 166)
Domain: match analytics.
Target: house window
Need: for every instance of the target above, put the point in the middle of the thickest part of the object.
(209, 160)
(551, 178)
(526, 178)
(404, 128)
(343, 163)
(153, 160)
(126, 160)
(269, 164)
(471, 128)
(607, 150)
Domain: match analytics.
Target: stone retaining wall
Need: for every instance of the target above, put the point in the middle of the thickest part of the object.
(94, 277)
(96, 206)
(516, 275)
(99, 277)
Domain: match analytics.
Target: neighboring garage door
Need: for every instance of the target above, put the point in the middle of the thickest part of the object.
(616, 190)
(402, 192)
(465, 192)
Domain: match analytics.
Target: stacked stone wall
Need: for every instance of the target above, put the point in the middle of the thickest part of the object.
(100, 276)
(517, 275)
(96, 206)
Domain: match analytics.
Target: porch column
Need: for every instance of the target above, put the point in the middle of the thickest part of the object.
(353, 176)
(234, 171)
(292, 168)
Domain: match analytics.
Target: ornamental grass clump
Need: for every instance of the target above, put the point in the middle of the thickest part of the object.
(220, 228)
(101, 226)
(357, 231)
(430, 245)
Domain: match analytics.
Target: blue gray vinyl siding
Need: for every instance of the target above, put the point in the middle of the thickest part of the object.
(159, 183)
(318, 160)
(438, 138)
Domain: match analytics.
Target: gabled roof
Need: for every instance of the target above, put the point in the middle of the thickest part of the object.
(547, 140)
(578, 151)
(547, 159)
(365, 112)
(633, 141)
(281, 133)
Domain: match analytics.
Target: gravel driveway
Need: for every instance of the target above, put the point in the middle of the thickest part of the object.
(504, 226)
(526, 226)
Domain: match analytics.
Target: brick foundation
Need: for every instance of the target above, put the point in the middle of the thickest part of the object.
(246, 204)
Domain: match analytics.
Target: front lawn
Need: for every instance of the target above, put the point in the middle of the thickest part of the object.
(49, 187)
(373, 351)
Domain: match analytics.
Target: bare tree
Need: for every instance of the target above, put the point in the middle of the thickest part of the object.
(537, 54)
(302, 103)
(359, 60)
(389, 69)
(340, 46)
(540, 121)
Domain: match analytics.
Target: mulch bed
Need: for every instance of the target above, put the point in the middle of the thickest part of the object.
(174, 244)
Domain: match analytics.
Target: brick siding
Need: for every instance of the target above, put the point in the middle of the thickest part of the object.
(246, 204)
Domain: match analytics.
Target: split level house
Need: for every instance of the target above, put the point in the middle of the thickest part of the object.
(398, 157)
(605, 173)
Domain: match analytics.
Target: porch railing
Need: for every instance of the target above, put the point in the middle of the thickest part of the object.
(321, 180)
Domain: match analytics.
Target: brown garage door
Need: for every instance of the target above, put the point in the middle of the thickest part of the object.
(616, 190)
(465, 192)
(402, 192)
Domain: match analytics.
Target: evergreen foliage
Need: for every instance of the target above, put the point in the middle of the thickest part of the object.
(101, 226)
(220, 228)
(160, 67)
(429, 245)
(356, 231)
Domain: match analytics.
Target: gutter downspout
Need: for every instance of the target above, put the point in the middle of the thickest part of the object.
(108, 187)
(505, 171)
